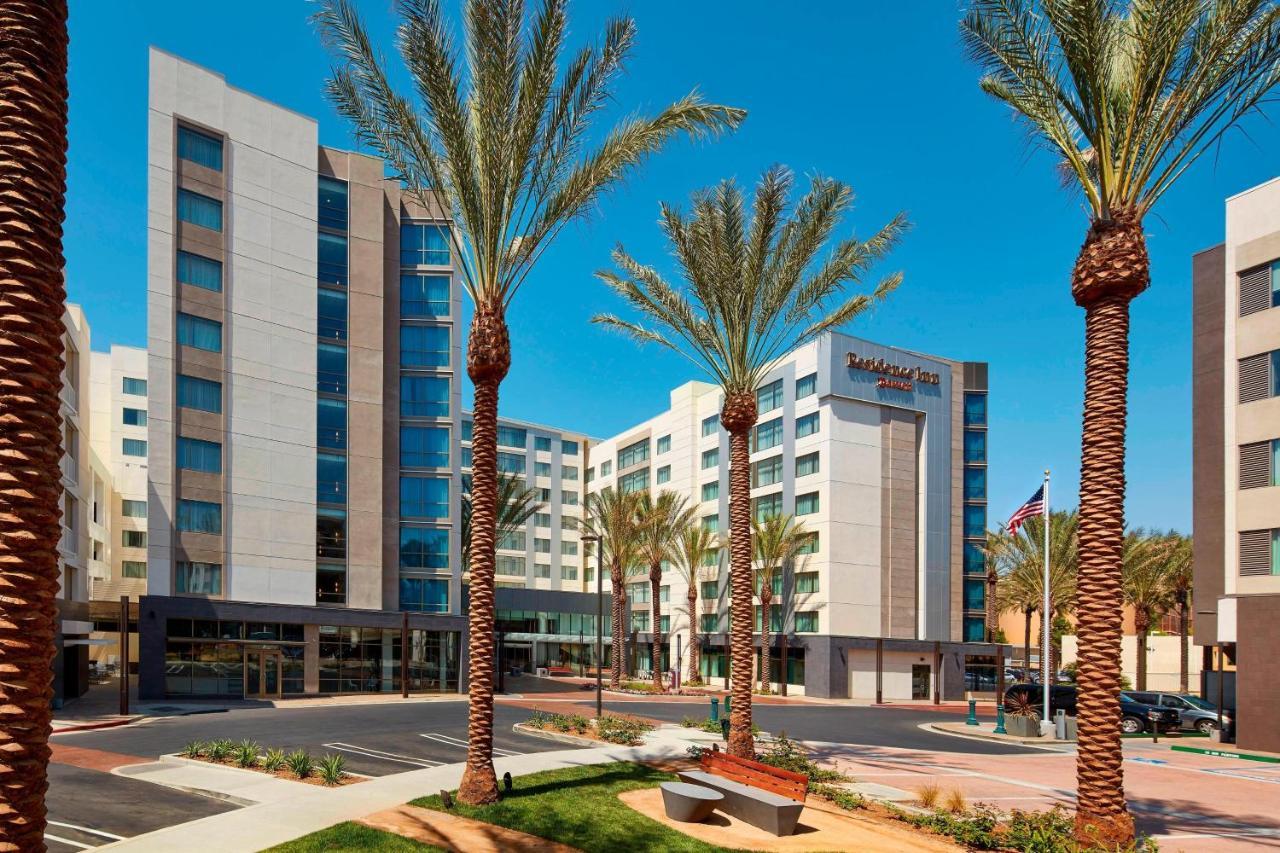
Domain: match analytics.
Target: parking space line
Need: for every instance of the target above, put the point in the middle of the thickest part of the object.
(367, 752)
(86, 830)
(453, 741)
(67, 841)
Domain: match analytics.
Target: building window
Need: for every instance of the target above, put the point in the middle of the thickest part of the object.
(331, 478)
(807, 622)
(975, 446)
(710, 458)
(424, 447)
(807, 504)
(975, 484)
(568, 573)
(664, 474)
(568, 448)
(331, 196)
(975, 409)
(664, 624)
(509, 436)
(466, 430)
(514, 540)
(133, 538)
(709, 623)
(766, 505)
(810, 544)
(766, 435)
(806, 582)
(975, 520)
(640, 621)
(806, 385)
(664, 444)
(198, 578)
(542, 469)
(568, 472)
(136, 387)
(424, 497)
(541, 571)
(568, 548)
(331, 423)
(201, 394)
(542, 443)
(807, 425)
(1259, 376)
(199, 333)
(711, 491)
(766, 472)
(331, 533)
(710, 590)
(634, 482)
(200, 148)
(199, 210)
(511, 463)
(424, 397)
(424, 595)
(424, 244)
(134, 447)
(633, 454)
(133, 569)
(510, 566)
(775, 617)
(331, 314)
(571, 498)
(197, 455)
(544, 495)
(540, 545)
(423, 296)
(975, 629)
(711, 523)
(606, 468)
(466, 457)
(975, 594)
(133, 509)
(710, 425)
(135, 417)
(424, 346)
(769, 397)
(331, 259)
(199, 517)
(807, 464)
(331, 583)
(423, 548)
(331, 369)
(638, 593)
(1259, 552)
(199, 271)
(975, 558)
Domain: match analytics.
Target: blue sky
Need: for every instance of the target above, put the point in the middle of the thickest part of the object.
(877, 95)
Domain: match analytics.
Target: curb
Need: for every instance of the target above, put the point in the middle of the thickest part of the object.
(1225, 753)
(560, 737)
(1033, 743)
(109, 724)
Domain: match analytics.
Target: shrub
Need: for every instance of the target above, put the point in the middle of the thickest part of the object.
(955, 802)
(786, 754)
(540, 719)
(273, 760)
(194, 749)
(579, 723)
(689, 722)
(246, 753)
(927, 795)
(847, 800)
(331, 769)
(621, 730)
(300, 762)
(641, 687)
(561, 723)
(219, 750)
(976, 830)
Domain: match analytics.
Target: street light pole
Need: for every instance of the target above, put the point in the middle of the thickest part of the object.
(591, 540)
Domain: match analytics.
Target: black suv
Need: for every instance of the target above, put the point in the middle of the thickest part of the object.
(1134, 716)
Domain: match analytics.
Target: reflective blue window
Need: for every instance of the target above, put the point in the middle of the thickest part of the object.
(135, 417)
(200, 210)
(331, 423)
(1275, 285)
(424, 595)
(769, 397)
(1275, 373)
(331, 258)
(197, 455)
(975, 409)
(975, 594)
(202, 394)
(511, 463)
(199, 271)
(569, 448)
(710, 425)
(424, 346)
(137, 387)
(332, 198)
(331, 478)
(423, 244)
(975, 520)
(424, 447)
(200, 148)
(424, 497)
(424, 397)
(975, 446)
(199, 333)
(331, 316)
(975, 558)
(134, 447)
(509, 436)
(423, 548)
(975, 484)
(331, 369)
(423, 296)
(199, 517)
(975, 629)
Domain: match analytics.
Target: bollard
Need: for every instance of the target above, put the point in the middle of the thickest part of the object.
(724, 728)
(973, 713)
(1060, 724)
(715, 710)
(1000, 729)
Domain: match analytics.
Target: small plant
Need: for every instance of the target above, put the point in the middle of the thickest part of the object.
(927, 795)
(219, 750)
(579, 723)
(689, 722)
(194, 749)
(695, 752)
(245, 753)
(561, 723)
(332, 769)
(786, 754)
(621, 730)
(273, 760)
(846, 800)
(300, 763)
(955, 802)
(1020, 705)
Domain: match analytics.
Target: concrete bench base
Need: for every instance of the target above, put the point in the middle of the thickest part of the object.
(762, 809)
(689, 803)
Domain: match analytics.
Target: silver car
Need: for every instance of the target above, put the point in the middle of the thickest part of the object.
(1196, 713)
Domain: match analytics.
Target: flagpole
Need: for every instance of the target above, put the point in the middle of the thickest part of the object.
(1046, 663)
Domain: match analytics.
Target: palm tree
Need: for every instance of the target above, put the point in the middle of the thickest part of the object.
(1146, 588)
(776, 542)
(1180, 577)
(1021, 556)
(517, 503)
(659, 522)
(611, 517)
(499, 145)
(1129, 95)
(755, 289)
(33, 149)
(696, 544)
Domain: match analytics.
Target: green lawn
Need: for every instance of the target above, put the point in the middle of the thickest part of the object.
(579, 806)
(351, 836)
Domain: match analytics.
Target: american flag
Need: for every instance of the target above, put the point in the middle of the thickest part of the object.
(1030, 509)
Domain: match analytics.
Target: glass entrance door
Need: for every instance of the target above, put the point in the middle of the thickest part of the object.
(262, 674)
(920, 681)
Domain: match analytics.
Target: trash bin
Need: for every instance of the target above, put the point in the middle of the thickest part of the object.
(715, 710)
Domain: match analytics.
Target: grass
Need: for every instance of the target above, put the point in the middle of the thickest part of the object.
(927, 795)
(351, 836)
(579, 806)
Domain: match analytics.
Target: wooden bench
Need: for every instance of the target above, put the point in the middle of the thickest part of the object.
(559, 671)
(756, 793)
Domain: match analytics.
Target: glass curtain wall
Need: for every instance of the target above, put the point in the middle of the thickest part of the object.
(331, 391)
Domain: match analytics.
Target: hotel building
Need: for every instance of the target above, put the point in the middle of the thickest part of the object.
(881, 454)
(1236, 462)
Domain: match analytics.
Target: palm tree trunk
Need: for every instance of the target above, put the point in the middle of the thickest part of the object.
(655, 605)
(738, 415)
(991, 607)
(1026, 643)
(488, 359)
(695, 639)
(1184, 651)
(619, 627)
(1143, 632)
(33, 149)
(1111, 270)
(766, 599)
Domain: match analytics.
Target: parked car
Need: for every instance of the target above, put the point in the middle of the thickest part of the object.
(1061, 697)
(1196, 714)
(1140, 717)
(1134, 716)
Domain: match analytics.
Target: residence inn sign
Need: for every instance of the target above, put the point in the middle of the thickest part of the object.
(892, 375)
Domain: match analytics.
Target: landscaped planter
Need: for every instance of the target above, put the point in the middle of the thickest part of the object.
(1022, 726)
